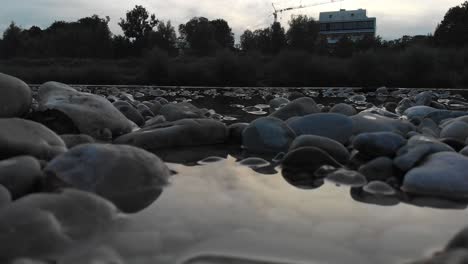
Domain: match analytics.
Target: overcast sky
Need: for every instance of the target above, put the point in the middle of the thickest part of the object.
(394, 17)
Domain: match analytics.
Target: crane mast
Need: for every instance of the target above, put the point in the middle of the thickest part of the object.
(301, 6)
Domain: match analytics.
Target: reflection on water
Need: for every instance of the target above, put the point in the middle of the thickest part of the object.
(227, 213)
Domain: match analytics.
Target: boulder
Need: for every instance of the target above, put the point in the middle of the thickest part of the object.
(181, 133)
(46, 225)
(5, 197)
(367, 123)
(20, 175)
(378, 144)
(130, 177)
(455, 130)
(335, 126)
(16, 97)
(130, 112)
(277, 102)
(332, 147)
(174, 112)
(379, 169)
(92, 114)
(266, 135)
(410, 155)
(441, 174)
(299, 107)
(423, 98)
(419, 111)
(235, 132)
(24, 137)
(344, 109)
(403, 105)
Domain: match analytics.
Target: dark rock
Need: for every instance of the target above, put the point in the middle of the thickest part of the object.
(130, 177)
(278, 102)
(156, 107)
(410, 155)
(75, 140)
(358, 194)
(174, 112)
(379, 143)
(267, 134)
(439, 116)
(459, 241)
(403, 105)
(379, 169)
(419, 111)
(5, 197)
(16, 97)
(455, 130)
(24, 137)
(335, 126)
(295, 95)
(423, 98)
(92, 114)
(366, 123)
(344, 109)
(145, 111)
(235, 132)
(20, 175)
(299, 107)
(347, 178)
(379, 188)
(130, 112)
(332, 147)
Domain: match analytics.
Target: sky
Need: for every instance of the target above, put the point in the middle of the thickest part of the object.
(395, 18)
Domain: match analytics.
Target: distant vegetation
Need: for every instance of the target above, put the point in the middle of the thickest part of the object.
(204, 53)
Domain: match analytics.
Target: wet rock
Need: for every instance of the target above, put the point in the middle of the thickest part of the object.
(332, 147)
(173, 112)
(299, 107)
(429, 127)
(366, 123)
(344, 109)
(181, 133)
(267, 134)
(441, 174)
(20, 175)
(235, 132)
(92, 114)
(455, 130)
(418, 111)
(379, 188)
(16, 97)
(75, 140)
(379, 169)
(379, 143)
(254, 163)
(24, 137)
(130, 177)
(335, 126)
(347, 178)
(130, 112)
(464, 151)
(56, 220)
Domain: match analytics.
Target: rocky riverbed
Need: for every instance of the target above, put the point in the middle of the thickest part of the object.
(78, 162)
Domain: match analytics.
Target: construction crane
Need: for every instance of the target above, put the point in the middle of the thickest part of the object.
(301, 6)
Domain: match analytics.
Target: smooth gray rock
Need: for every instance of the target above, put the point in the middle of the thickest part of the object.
(366, 123)
(344, 109)
(235, 132)
(23, 137)
(378, 143)
(423, 98)
(5, 197)
(410, 155)
(20, 175)
(156, 107)
(174, 112)
(181, 133)
(299, 107)
(335, 126)
(267, 135)
(332, 147)
(157, 120)
(75, 140)
(419, 111)
(379, 169)
(130, 112)
(439, 116)
(92, 114)
(403, 105)
(441, 174)
(130, 177)
(46, 225)
(455, 130)
(145, 111)
(16, 97)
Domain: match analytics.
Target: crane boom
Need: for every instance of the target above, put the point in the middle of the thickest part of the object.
(301, 6)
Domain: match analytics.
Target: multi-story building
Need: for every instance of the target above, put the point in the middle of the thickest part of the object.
(351, 23)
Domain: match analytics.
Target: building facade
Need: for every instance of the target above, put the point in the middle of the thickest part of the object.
(350, 23)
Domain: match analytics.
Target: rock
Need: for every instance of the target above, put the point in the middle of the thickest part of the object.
(145, 111)
(439, 116)
(344, 109)
(456, 144)
(16, 97)
(295, 95)
(424, 98)
(464, 151)
(157, 120)
(181, 133)
(20, 175)
(347, 178)
(382, 91)
(379, 143)
(358, 194)
(235, 132)
(418, 111)
(332, 147)
(367, 123)
(5, 197)
(379, 188)
(156, 107)
(455, 130)
(299, 107)
(429, 127)
(278, 102)
(174, 112)
(45, 225)
(441, 174)
(335, 126)
(130, 177)
(92, 114)
(459, 241)
(379, 111)
(24, 137)
(379, 169)
(403, 105)
(130, 112)
(267, 134)
(75, 140)
(410, 155)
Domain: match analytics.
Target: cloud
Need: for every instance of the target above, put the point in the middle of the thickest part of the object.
(395, 17)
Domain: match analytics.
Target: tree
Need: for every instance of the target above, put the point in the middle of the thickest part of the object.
(164, 38)
(223, 33)
(248, 41)
(303, 33)
(278, 38)
(12, 41)
(138, 23)
(453, 30)
(344, 47)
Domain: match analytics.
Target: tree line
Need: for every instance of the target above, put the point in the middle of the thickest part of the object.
(90, 37)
